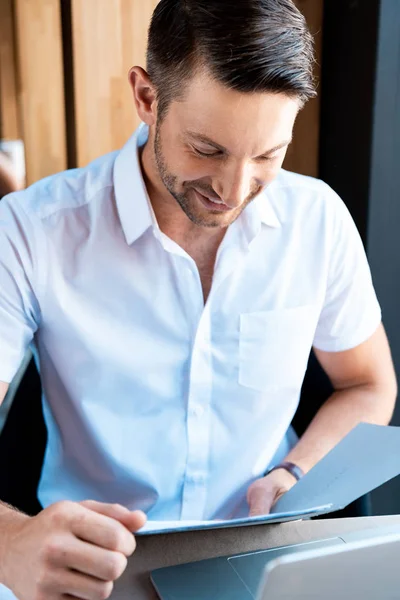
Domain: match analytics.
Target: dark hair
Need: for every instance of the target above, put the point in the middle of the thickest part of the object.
(247, 45)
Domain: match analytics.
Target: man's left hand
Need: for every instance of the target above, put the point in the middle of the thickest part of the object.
(265, 492)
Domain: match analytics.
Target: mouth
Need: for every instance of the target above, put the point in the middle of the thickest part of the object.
(211, 204)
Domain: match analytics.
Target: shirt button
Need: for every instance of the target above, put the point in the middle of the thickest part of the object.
(196, 478)
(197, 411)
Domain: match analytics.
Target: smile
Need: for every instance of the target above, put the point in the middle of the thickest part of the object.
(213, 204)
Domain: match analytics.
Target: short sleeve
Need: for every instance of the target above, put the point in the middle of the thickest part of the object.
(351, 312)
(19, 284)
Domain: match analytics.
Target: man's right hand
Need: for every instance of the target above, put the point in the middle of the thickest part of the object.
(69, 550)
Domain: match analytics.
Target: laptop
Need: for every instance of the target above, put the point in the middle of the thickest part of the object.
(358, 565)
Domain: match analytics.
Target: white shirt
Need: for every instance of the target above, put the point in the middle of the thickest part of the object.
(152, 399)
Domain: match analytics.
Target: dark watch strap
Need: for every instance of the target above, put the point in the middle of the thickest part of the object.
(293, 469)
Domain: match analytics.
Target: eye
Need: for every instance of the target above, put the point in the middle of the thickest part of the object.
(206, 154)
(267, 158)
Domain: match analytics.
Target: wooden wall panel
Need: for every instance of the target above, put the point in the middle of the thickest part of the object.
(109, 37)
(9, 122)
(303, 154)
(41, 86)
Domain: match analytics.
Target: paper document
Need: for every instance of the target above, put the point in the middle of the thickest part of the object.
(365, 459)
(153, 527)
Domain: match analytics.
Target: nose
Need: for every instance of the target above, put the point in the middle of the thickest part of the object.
(234, 184)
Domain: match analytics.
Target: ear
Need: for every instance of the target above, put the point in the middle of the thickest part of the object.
(144, 95)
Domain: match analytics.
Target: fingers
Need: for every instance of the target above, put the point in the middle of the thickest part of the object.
(84, 587)
(136, 520)
(260, 502)
(132, 520)
(101, 530)
(90, 560)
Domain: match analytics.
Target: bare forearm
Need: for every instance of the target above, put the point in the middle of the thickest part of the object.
(10, 519)
(343, 411)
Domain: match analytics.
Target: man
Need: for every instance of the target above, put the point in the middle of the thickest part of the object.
(173, 292)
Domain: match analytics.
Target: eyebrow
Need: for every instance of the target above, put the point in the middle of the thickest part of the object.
(206, 140)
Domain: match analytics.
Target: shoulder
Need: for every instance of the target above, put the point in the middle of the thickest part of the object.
(295, 196)
(301, 187)
(64, 191)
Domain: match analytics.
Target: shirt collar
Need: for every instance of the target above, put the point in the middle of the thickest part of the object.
(260, 211)
(136, 212)
(265, 208)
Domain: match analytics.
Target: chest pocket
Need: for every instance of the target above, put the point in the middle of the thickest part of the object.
(274, 347)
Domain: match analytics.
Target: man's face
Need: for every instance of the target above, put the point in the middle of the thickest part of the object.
(216, 150)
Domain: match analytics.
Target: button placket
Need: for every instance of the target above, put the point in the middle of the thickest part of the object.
(198, 424)
(195, 485)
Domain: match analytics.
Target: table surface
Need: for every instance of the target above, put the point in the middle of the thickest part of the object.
(174, 548)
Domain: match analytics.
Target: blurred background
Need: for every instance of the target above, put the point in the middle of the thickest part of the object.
(65, 100)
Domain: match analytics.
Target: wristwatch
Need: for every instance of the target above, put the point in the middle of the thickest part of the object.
(293, 469)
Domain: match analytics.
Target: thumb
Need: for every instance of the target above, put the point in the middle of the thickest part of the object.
(132, 520)
(260, 502)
